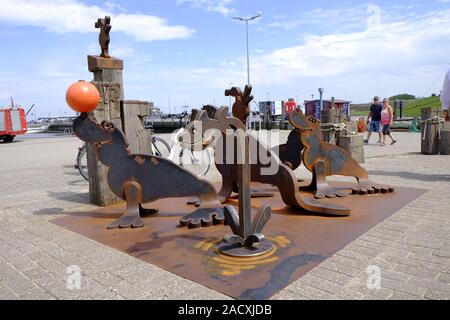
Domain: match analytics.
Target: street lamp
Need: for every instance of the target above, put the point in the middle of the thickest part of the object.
(246, 32)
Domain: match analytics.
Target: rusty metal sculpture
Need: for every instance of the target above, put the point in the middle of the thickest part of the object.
(103, 38)
(325, 159)
(247, 238)
(241, 106)
(290, 153)
(269, 170)
(139, 179)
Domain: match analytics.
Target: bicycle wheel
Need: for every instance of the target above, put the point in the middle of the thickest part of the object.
(197, 162)
(82, 162)
(160, 147)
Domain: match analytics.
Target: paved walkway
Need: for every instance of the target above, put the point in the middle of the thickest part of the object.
(39, 183)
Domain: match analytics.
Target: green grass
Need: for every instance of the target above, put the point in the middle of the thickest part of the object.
(413, 108)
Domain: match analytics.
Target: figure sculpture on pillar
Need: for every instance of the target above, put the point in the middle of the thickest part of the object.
(105, 27)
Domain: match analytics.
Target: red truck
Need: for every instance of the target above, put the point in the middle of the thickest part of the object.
(12, 122)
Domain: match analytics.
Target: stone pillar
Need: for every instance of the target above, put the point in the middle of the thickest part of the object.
(108, 80)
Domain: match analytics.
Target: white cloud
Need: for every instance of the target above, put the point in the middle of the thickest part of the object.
(122, 52)
(395, 57)
(63, 16)
(220, 6)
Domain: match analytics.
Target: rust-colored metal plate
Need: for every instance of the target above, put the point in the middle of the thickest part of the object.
(301, 241)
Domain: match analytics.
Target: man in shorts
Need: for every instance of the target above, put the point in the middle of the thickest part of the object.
(374, 119)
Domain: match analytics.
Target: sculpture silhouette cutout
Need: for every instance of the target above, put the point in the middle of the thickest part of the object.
(241, 106)
(325, 159)
(139, 179)
(269, 170)
(105, 27)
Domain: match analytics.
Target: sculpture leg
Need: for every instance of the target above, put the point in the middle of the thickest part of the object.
(209, 212)
(131, 217)
(320, 184)
(227, 183)
(365, 186)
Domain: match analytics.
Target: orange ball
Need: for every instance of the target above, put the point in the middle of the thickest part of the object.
(82, 96)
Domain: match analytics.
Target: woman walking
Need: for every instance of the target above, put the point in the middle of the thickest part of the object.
(387, 118)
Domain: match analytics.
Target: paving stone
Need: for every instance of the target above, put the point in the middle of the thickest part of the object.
(287, 295)
(332, 276)
(403, 296)
(340, 268)
(437, 295)
(445, 277)
(310, 293)
(318, 283)
(418, 272)
(429, 284)
(360, 285)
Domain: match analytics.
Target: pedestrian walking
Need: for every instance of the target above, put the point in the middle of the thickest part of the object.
(387, 118)
(374, 119)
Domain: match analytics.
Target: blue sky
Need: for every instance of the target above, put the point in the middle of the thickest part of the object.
(191, 50)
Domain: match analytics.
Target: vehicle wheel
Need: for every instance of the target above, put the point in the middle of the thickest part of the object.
(8, 138)
(197, 162)
(160, 147)
(82, 162)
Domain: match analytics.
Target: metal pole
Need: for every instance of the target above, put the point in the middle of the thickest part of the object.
(248, 56)
(247, 45)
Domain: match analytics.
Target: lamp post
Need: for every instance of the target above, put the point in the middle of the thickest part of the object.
(246, 32)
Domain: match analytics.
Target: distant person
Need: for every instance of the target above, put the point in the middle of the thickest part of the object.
(387, 118)
(445, 96)
(374, 119)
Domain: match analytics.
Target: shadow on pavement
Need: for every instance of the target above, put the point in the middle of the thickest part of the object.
(411, 175)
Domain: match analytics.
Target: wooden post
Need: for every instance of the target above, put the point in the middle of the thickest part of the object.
(354, 145)
(133, 113)
(444, 142)
(283, 116)
(429, 145)
(325, 117)
(108, 80)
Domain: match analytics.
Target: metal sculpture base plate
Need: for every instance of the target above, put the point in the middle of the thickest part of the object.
(236, 250)
(301, 240)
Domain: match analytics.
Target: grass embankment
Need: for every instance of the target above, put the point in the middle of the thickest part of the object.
(412, 107)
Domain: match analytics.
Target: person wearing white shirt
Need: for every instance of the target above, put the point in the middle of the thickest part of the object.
(445, 96)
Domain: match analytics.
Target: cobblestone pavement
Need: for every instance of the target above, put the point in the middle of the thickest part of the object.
(39, 183)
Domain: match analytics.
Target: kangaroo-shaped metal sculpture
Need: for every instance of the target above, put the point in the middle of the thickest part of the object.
(266, 168)
(139, 179)
(325, 159)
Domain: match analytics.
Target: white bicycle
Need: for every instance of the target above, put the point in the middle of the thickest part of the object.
(198, 162)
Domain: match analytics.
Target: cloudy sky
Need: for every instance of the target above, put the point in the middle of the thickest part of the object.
(192, 50)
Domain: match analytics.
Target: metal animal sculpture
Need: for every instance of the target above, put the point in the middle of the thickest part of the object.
(103, 38)
(325, 159)
(290, 153)
(265, 165)
(139, 179)
(241, 106)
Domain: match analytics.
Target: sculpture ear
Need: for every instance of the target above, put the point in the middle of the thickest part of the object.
(298, 120)
(201, 115)
(194, 114)
(221, 114)
(247, 90)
